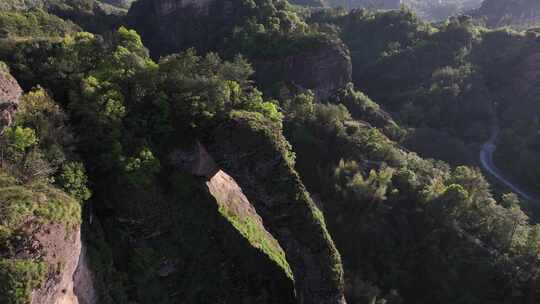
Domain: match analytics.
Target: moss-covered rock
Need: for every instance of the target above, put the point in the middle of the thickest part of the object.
(254, 152)
(235, 207)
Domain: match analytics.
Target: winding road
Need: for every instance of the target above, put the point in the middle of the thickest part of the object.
(486, 160)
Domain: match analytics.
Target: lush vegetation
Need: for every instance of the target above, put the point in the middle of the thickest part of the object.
(386, 167)
(257, 29)
(35, 150)
(411, 210)
(518, 13)
(124, 108)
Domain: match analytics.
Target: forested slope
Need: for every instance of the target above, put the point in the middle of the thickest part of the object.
(254, 152)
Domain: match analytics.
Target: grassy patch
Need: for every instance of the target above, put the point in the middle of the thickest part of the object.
(22, 208)
(250, 229)
(39, 203)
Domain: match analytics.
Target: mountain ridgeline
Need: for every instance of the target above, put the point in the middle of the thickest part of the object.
(266, 151)
(426, 9)
(517, 13)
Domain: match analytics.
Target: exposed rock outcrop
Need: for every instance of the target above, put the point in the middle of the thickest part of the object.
(10, 92)
(262, 192)
(41, 243)
(62, 249)
(197, 161)
(322, 69)
(167, 7)
(253, 151)
(169, 26)
(231, 202)
(84, 287)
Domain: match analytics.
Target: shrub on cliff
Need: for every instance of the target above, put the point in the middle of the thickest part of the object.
(18, 278)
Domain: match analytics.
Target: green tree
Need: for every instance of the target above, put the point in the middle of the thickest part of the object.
(74, 181)
(142, 168)
(19, 139)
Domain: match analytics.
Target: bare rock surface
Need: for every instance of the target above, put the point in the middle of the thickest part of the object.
(62, 251)
(255, 154)
(323, 69)
(83, 281)
(10, 93)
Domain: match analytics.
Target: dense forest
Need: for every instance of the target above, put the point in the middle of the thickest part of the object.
(267, 151)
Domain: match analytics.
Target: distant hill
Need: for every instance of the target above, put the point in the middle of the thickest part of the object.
(517, 13)
(310, 3)
(375, 4)
(426, 9)
(441, 9)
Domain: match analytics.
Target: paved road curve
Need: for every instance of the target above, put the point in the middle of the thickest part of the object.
(486, 160)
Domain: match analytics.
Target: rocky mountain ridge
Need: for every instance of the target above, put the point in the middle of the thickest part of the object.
(516, 13)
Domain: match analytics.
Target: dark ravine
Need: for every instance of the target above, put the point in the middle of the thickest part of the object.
(62, 248)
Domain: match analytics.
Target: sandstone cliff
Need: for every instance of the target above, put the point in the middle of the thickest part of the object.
(10, 92)
(40, 232)
(253, 151)
(323, 69)
(249, 171)
(40, 243)
(232, 203)
(69, 280)
(61, 247)
(170, 26)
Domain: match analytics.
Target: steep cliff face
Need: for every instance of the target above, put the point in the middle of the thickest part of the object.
(10, 92)
(323, 69)
(193, 237)
(301, 60)
(253, 151)
(232, 203)
(40, 232)
(168, 26)
(71, 282)
(61, 247)
(518, 13)
(40, 243)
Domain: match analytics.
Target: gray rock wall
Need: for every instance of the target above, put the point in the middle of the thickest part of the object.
(10, 93)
